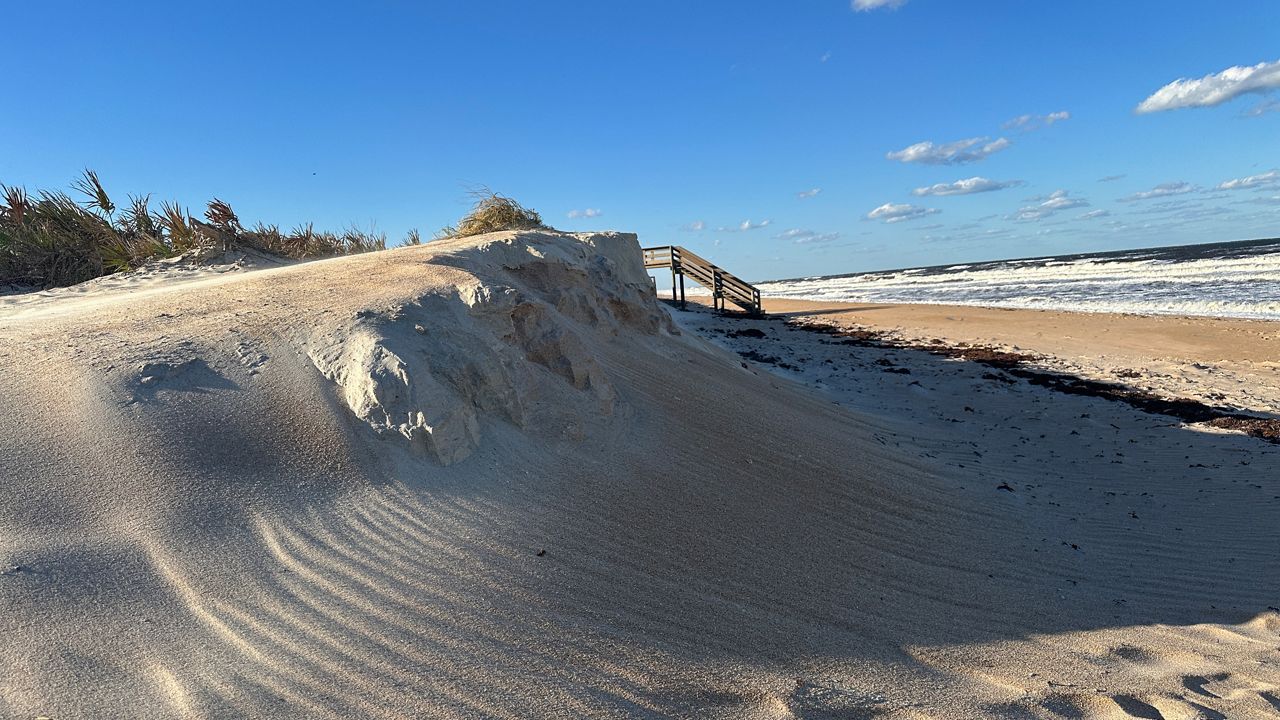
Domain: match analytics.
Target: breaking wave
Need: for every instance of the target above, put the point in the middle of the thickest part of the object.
(1239, 280)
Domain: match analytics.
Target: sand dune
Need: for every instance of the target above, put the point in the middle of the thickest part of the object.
(493, 478)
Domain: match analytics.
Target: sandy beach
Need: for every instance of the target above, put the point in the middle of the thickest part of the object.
(347, 371)
(495, 477)
(1233, 363)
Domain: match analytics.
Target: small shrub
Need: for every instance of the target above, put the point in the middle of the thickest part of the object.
(16, 204)
(222, 216)
(54, 240)
(176, 222)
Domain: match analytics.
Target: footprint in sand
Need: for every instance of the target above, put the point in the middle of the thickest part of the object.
(1133, 654)
(1133, 707)
(818, 700)
(177, 375)
(251, 357)
(1196, 684)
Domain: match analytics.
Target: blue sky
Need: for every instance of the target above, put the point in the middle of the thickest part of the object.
(705, 124)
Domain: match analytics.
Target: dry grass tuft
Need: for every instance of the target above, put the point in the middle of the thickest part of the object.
(16, 204)
(493, 213)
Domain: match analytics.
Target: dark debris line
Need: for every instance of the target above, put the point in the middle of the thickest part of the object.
(1016, 364)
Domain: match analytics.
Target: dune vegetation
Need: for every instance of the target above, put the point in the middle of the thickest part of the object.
(54, 239)
(493, 213)
(51, 239)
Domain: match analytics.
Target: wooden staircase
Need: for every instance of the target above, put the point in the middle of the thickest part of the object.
(723, 285)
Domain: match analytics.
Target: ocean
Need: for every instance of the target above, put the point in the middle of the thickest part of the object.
(1232, 279)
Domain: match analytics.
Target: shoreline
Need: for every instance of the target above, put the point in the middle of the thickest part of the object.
(1017, 364)
(1066, 311)
(1231, 365)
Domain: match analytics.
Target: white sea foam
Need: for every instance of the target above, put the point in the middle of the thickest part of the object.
(1157, 283)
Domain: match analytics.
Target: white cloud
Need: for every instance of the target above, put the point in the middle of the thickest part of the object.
(1112, 178)
(1168, 206)
(1027, 123)
(695, 226)
(746, 225)
(1214, 89)
(1199, 213)
(1094, 214)
(588, 213)
(1161, 190)
(1263, 180)
(812, 192)
(892, 213)
(865, 5)
(1262, 108)
(804, 237)
(1056, 201)
(825, 57)
(967, 186)
(953, 153)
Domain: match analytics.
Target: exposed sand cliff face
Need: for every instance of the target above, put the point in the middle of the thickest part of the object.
(425, 368)
(490, 478)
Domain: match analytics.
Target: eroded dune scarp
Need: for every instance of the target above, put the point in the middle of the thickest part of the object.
(425, 368)
(490, 478)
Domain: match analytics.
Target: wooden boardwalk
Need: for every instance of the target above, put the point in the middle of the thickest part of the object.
(723, 284)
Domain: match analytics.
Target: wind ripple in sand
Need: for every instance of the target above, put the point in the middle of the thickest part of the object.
(635, 524)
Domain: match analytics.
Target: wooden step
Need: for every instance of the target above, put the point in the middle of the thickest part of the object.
(723, 284)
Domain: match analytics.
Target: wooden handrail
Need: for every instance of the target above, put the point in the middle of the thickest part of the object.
(723, 284)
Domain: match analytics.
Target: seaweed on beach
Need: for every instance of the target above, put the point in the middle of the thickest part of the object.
(1019, 365)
